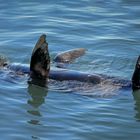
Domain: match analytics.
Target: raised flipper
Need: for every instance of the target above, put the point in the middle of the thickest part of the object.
(39, 43)
(136, 76)
(69, 56)
(40, 62)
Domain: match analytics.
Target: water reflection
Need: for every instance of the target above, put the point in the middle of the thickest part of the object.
(38, 95)
(136, 96)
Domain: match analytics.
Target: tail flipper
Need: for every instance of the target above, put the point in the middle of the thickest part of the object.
(136, 76)
(40, 60)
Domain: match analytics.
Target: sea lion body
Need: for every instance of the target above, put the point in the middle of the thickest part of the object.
(60, 74)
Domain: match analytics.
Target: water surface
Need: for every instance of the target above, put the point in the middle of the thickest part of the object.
(109, 30)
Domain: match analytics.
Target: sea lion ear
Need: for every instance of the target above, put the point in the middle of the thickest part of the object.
(40, 59)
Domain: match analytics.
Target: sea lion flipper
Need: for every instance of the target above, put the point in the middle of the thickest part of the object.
(69, 56)
(40, 60)
(136, 76)
(40, 41)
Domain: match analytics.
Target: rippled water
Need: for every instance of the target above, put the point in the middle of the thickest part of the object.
(110, 31)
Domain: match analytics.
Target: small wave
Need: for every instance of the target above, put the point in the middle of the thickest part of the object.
(84, 88)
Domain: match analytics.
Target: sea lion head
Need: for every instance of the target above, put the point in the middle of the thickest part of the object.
(3, 61)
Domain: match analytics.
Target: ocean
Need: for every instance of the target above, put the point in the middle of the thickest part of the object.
(110, 33)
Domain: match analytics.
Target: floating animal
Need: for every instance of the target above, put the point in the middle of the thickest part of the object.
(40, 71)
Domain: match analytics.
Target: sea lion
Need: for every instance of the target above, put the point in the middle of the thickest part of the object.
(40, 71)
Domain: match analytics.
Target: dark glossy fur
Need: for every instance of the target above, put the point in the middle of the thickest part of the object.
(136, 76)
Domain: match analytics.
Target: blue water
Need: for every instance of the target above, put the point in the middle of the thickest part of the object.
(110, 31)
